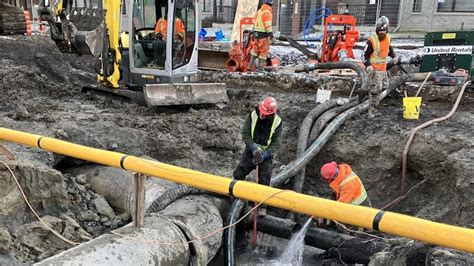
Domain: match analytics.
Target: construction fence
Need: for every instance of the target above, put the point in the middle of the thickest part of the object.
(293, 17)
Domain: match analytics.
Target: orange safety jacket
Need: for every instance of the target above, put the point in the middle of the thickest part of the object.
(348, 187)
(378, 58)
(162, 24)
(263, 19)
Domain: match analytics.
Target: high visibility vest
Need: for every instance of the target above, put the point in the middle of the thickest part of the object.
(363, 194)
(162, 24)
(378, 58)
(275, 124)
(263, 20)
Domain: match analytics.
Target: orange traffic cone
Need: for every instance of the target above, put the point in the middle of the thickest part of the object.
(28, 22)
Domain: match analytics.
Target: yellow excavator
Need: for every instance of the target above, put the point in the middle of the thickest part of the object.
(133, 60)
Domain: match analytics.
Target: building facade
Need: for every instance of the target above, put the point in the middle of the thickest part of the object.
(437, 15)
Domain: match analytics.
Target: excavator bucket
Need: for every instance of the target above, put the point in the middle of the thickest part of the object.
(88, 35)
(185, 93)
(77, 30)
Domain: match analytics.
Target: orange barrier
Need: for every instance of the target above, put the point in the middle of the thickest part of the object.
(28, 22)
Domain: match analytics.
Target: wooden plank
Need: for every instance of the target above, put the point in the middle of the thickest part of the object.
(139, 200)
(245, 8)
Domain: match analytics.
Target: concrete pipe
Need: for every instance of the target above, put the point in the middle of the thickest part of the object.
(157, 243)
(116, 185)
(116, 250)
(197, 216)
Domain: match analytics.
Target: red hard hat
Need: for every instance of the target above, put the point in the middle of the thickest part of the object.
(268, 106)
(328, 170)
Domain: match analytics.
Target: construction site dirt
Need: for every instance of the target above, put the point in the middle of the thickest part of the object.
(40, 93)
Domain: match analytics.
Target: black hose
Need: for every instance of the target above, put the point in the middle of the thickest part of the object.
(298, 180)
(171, 195)
(326, 117)
(229, 233)
(294, 167)
(299, 47)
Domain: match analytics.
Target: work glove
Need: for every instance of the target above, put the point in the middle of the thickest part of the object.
(370, 69)
(253, 147)
(265, 155)
(257, 156)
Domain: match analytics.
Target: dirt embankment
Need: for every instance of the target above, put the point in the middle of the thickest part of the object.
(40, 93)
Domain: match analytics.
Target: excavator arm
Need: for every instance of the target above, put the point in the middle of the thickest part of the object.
(87, 30)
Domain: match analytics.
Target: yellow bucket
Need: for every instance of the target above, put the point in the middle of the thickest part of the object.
(411, 107)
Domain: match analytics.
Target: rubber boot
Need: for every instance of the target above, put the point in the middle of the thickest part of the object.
(251, 62)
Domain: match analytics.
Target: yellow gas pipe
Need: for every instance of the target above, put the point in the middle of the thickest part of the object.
(389, 222)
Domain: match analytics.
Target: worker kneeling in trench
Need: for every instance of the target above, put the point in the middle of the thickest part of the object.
(347, 186)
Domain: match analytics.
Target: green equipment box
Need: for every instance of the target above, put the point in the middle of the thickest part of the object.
(449, 51)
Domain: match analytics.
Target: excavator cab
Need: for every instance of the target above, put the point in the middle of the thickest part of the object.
(142, 46)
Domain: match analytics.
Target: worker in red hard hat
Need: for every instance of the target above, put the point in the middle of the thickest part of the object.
(345, 183)
(261, 134)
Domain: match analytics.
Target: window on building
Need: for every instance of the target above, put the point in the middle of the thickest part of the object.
(455, 6)
(417, 5)
(206, 5)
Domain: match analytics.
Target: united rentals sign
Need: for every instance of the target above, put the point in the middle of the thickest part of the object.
(457, 49)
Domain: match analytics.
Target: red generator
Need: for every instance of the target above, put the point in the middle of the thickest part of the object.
(338, 44)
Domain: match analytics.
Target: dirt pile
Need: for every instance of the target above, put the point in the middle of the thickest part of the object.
(40, 93)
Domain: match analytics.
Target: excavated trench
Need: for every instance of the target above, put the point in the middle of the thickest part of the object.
(40, 94)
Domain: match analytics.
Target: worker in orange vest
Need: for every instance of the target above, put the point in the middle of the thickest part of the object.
(262, 34)
(376, 52)
(346, 185)
(161, 28)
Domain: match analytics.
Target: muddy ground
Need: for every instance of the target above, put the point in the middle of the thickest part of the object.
(40, 93)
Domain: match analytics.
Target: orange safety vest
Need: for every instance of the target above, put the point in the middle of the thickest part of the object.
(162, 24)
(348, 187)
(378, 58)
(263, 19)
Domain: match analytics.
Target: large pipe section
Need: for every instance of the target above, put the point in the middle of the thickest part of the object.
(389, 222)
(116, 186)
(162, 241)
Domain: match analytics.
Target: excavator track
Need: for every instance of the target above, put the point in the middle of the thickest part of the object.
(135, 96)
